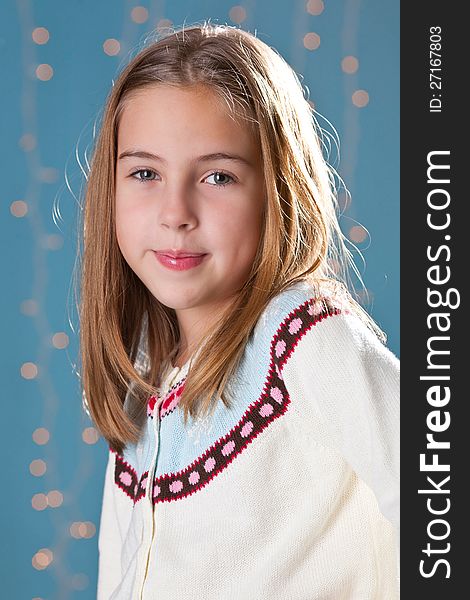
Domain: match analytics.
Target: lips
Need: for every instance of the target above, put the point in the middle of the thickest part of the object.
(179, 260)
(179, 253)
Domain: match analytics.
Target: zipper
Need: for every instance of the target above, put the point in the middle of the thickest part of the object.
(149, 510)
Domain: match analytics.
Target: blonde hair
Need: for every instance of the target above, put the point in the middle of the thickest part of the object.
(301, 237)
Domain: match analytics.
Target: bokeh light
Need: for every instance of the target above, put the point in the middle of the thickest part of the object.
(344, 200)
(19, 208)
(40, 35)
(315, 7)
(82, 530)
(349, 64)
(164, 24)
(41, 436)
(90, 435)
(139, 14)
(237, 14)
(44, 72)
(60, 340)
(29, 370)
(39, 501)
(55, 498)
(311, 40)
(79, 581)
(357, 234)
(360, 98)
(53, 241)
(28, 142)
(29, 307)
(42, 559)
(37, 467)
(48, 174)
(87, 529)
(111, 47)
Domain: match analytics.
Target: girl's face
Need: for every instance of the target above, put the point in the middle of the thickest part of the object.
(189, 181)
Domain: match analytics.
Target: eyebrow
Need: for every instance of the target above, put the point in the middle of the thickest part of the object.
(204, 158)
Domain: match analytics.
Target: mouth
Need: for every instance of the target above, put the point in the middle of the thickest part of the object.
(179, 260)
(178, 253)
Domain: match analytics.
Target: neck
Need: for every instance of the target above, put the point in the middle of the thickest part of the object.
(194, 324)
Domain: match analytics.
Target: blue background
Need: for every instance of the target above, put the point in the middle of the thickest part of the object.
(39, 249)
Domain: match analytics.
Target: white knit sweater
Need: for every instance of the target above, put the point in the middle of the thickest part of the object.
(292, 494)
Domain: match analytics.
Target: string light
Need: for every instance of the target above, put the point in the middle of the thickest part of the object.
(35, 71)
(350, 66)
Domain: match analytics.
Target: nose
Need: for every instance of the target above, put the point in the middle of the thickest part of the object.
(176, 210)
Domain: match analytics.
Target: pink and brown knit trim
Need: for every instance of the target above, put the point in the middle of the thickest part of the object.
(272, 403)
(125, 477)
(170, 402)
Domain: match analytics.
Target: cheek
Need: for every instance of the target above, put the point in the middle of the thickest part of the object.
(237, 233)
(249, 224)
(121, 229)
(128, 226)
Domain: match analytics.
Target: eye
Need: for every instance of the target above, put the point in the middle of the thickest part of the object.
(218, 175)
(144, 175)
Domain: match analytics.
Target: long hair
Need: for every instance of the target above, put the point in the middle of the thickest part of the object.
(301, 238)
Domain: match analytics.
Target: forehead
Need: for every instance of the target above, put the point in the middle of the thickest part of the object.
(169, 112)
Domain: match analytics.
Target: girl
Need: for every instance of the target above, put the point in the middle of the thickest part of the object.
(250, 409)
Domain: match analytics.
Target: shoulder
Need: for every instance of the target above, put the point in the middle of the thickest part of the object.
(320, 325)
(298, 308)
(340, 340)
(299, 300)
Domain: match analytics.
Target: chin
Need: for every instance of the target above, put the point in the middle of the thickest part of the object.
(176, 302)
